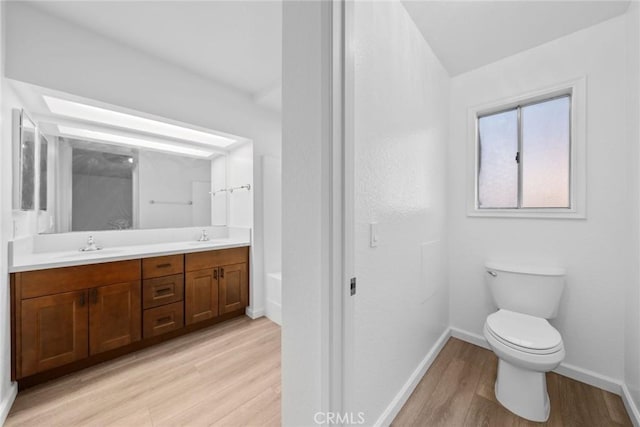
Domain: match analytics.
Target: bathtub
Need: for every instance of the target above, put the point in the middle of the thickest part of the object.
(273, 297)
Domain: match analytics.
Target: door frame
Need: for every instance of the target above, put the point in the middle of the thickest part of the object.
(318, 189)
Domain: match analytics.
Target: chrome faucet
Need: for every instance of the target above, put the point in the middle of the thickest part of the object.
(91, 245)
(204, 237)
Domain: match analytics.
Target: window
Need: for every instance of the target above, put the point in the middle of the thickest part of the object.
(524, 156)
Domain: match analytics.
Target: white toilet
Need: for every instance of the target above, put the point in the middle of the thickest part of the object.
(526, 344)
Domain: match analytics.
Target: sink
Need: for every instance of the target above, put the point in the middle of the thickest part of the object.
(206, 242)
(78, 254)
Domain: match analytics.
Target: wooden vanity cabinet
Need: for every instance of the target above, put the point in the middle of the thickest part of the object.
(114, 316)
(201, 295)
(54, 331)
(63, 315)
(163, 294)
(233, 288)
(65, 319)
(216, 283)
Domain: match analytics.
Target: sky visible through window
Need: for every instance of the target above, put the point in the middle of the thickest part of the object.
(544, 157)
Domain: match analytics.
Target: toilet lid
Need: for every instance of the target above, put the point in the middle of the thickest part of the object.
(524, 330)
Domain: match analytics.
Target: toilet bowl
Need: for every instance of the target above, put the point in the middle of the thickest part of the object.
(527, 347)
(526, 344)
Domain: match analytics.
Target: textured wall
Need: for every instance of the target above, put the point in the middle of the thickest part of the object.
(401, 108)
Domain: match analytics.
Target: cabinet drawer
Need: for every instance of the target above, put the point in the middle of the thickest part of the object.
(162, 290)
(163, 319)
(38, 283)
(162, 266)
(211, 259)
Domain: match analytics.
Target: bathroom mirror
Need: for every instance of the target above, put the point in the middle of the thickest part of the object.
(101, 186)
(24, 137)
(42, 181)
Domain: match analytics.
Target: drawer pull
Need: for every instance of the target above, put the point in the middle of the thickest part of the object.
(163, 319)
(222, 273)
(164, 291)
(82, 300)
(164, 265)
(94, 296)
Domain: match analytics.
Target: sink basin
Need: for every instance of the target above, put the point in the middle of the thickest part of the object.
(206, 242)
(76, 254)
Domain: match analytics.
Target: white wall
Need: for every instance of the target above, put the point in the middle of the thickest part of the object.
(306, 199)
(272, 182)
(272, 205)
(219, 203)
(401, 125)
(594, 251)
(239, 173)
(632, 297)
(7, 390)
(169, 178)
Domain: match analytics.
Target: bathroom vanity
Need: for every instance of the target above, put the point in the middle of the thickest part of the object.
(68, 317)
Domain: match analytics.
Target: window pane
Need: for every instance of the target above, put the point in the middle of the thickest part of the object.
(545, 159)
(498, 170)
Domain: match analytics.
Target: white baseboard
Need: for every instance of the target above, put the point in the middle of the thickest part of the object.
(273, 311)
(254, 313)
(401, 398)
(7, 402)
(589, 377)
(470, 337)
(574, 372)
(630, 405)
(579, 374)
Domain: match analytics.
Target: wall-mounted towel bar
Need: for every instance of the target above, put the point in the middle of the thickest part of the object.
(231, 189)
(160, 202)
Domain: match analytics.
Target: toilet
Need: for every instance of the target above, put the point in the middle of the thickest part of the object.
(526, 344)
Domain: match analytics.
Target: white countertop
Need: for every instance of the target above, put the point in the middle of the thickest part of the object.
(44, 260)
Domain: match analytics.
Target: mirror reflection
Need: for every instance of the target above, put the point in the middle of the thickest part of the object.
(102, 186)
(25, 136)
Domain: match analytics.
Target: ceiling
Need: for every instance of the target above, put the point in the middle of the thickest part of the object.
(239, 43)
(235, 43)
(469, 34)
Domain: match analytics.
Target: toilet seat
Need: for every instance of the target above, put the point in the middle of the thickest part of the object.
(525, 333)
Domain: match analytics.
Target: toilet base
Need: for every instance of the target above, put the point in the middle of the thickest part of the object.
(523, 392)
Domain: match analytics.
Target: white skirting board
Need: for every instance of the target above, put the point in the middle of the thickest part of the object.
(273, 311)
(576, 373)
(630, 405)
(573, 372)
(405, 392)
(567, 370)
(254, 313)
(7, 402)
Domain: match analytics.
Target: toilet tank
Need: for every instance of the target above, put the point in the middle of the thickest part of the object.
(530, 290)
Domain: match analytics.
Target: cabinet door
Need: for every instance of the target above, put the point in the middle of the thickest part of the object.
(54, 331)
(234, 287)
(201, 295)
(114, 316)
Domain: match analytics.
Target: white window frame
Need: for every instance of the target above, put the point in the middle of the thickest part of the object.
(577, 179)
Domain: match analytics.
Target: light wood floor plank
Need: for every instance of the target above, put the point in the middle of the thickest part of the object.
(458, 390)
(231, 368)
